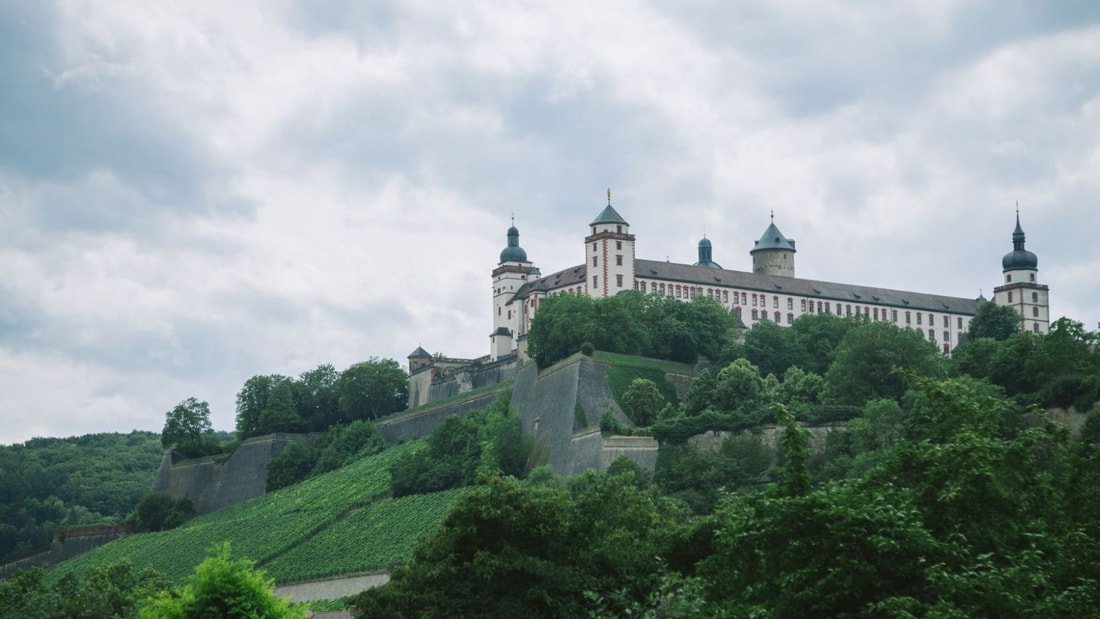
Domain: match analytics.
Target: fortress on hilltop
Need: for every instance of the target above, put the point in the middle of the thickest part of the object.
(771, 291)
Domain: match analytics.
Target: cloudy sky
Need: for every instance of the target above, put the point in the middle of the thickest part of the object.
(192, 193)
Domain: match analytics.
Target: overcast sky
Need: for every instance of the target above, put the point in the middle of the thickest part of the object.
(193, 193)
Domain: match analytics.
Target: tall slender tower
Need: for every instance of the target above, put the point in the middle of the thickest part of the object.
(1021, 289)
(512, 271)
(609, 254)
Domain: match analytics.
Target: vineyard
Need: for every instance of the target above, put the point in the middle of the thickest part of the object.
(338, 523)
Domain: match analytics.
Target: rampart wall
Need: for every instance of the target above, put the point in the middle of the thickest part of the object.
(66, 545)
(216, 483)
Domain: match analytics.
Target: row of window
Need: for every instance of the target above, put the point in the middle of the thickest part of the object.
(1034, 297)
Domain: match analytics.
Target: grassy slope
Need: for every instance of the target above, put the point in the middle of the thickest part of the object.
(623, 369)
(292, 532)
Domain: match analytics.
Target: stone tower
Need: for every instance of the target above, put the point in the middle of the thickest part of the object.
(1021, 289)
(773, 254)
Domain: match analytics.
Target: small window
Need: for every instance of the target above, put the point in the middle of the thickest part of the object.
(777, 318)
(1008, 278)
(802, 303)
(790, 318)
(619, 229)
(643, 287)
(918, 317)
(894, 315)
(755, 314)
(725, 296)
(593, 245)
(595, 260)
(790, 303)
(775, 303)
(932, 334)
(828, 310)
(947, 336)
(848, 310)
(946, 322)
(619, 281)
(959, 322)
(946, 348)
(875, 313)
(737, 311)
(618, 260)
(1035, 297)
(595, 281)
(1032, 276)
(908, 319)
(618, 245)
(1035, 328)
(754, 300)
(1034, 312)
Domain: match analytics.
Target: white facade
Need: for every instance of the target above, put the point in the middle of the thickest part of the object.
(611, 266)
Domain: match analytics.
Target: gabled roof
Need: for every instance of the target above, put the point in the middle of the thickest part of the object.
(564, 278)
(826, 291)
(609, 216)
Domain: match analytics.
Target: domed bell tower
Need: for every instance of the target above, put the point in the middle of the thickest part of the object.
(1021, 289)
(511, 273)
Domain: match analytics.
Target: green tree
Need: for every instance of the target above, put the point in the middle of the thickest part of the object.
(372, 389)
(318, 397)
(513, 550)
(222, 587)
(994, 321)
(187, 429)
(643, 401)
(292, 465)
(772, 348)
(280, 412)
(160, 511)
(868, 360)
(801, 389)
(739, 388)
(818, 336)
(252, 400)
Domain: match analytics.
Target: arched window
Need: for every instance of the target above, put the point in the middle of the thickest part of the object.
(908, 318)
(1035, 328)
(790, 318)
(932, 334)
(777, 318)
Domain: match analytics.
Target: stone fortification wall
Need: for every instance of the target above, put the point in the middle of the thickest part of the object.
(214, 484)
(420, 422)
(548, 402)
(769, 437)
(60, 550)
(473, 377)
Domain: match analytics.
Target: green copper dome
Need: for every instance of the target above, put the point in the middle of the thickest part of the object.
(1019, 258)
(513, 253)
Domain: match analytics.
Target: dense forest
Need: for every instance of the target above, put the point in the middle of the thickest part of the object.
(51, 483)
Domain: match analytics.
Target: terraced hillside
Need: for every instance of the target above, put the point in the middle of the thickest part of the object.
(339, 523)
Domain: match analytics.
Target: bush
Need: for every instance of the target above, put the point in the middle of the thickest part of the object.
(587, 349)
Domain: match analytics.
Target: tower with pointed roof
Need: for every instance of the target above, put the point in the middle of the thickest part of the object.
(512, 272)
(773, 253)
(609, 254)
(1021, 289)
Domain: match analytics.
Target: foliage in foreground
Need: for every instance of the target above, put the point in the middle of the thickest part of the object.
(114, 590)
(510, 549)
(224, 588)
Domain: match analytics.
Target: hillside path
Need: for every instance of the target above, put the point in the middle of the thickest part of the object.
(331, 589)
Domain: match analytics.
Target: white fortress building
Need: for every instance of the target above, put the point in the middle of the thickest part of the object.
(770, 292)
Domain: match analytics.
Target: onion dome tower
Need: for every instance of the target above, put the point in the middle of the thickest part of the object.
(511, 273)
(773, 254)
(705, 255)
(1021, 289)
